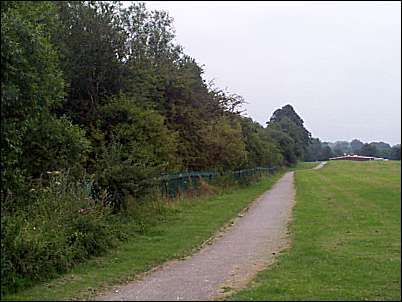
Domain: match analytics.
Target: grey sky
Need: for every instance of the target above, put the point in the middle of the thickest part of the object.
(337, 63)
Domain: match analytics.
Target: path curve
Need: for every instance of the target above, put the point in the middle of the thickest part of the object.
(322, 164)
(230, 262)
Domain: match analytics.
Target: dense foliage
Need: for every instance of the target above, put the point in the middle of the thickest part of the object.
(318, 151)
(286, 128)
(103, 90)
(97, 101)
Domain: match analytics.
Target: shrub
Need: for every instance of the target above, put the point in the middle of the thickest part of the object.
(52, 144)
(138, 148)
(224, 147)
(61, 227)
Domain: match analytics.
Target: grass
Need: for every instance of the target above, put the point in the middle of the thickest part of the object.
(303, 165)
(346, 237)
(182, 227)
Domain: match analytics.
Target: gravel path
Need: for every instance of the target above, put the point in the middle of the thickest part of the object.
(229, 262)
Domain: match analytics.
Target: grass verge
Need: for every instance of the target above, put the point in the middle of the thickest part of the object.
(304, 165)
(346, 237)
(180, 228)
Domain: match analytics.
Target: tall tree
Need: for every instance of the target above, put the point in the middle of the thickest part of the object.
(32, 86)
(287, 120)
(356, 145)
(92, 46)
(368, 150)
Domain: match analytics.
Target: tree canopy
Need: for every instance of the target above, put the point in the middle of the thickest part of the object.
(286, 120)
(104, 90)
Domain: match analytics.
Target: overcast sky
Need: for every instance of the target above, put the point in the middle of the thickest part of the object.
(337, 63)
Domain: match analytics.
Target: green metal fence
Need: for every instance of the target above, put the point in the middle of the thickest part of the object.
(173, 184)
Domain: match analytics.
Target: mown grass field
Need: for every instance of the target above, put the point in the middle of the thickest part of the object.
(346, 237)
(181, 227)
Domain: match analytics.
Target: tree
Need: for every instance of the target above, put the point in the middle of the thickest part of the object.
(285, 143)
(136, 149)
(368, 150)
(288, 121)
(383, 149)
(341, 148)
(224, 147)
(31, 85)
(318, 151)
(338, 151)
(92, 46)
(313, 152)
(395, 153)
(52, 144)
(356, 145)
(261, 149)
(326, 153)
(97, 87)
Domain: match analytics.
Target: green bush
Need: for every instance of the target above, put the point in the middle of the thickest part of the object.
(52, 144)
(61, 227)
(138, 148)
(223, 143)
(31, 81)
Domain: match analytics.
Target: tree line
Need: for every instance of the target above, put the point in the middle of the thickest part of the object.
(103, 90)
(318, 150)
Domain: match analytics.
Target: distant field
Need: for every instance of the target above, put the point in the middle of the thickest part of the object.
(346, 237)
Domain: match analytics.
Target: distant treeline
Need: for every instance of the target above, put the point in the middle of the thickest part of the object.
(104, 91)
(318, 150)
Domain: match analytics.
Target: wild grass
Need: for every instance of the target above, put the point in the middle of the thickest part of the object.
(346, 237)
(155, 232)
(58, 226)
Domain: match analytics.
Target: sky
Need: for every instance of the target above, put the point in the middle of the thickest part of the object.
(337, 63)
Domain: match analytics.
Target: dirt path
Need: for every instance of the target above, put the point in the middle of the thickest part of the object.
(229, 262)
